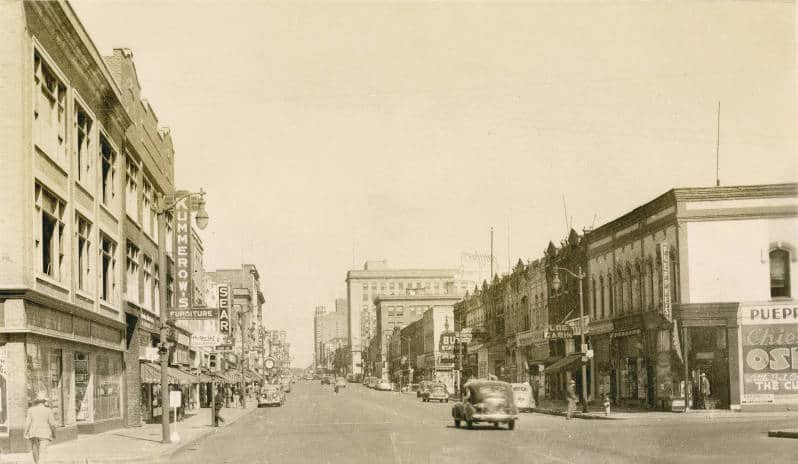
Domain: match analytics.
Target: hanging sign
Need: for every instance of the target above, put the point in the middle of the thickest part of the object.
(665, 280)
(224, 310)
(184, 288)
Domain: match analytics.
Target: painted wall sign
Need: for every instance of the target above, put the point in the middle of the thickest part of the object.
(769, 338)
(665, 280)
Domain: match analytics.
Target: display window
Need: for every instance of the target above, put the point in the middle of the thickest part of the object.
(44, 367)
(82, 386)
(107, 388)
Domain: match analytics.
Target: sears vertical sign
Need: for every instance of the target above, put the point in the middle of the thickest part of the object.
(224, 310)
(182, 255)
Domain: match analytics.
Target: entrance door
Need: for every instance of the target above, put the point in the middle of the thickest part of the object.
(82, 390)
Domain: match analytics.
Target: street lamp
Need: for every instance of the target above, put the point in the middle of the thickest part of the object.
(166, 204)
(555, 284)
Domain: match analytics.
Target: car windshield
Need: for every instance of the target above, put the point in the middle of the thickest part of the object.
(439, 388)
(484, 391)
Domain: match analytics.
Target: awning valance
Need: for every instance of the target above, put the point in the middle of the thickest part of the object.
(564, 363)
(151, 373)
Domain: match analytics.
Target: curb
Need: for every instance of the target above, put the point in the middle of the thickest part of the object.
(578, 415)
(166, 454)
(793, 433)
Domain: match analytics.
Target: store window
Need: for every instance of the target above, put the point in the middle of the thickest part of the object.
(45, 375)
(107, 386)
(82, 391)
(779, 273)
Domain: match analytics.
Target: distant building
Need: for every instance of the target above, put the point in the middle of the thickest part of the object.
(377, 279)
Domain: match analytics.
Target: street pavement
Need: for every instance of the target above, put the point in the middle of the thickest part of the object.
(360, 425)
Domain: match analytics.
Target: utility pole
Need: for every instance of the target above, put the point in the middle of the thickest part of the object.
(491, 255)
(717, 150)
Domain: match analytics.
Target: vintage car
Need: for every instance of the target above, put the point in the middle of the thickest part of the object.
(371, 382)
(271, 395)
(423, 388)
(486, 401)
(436, 391)
(522, 396)
(384, 385)
(286, 384)
(326, 379)
(340, 382)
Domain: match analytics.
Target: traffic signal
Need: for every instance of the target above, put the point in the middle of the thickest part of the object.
(212, 362)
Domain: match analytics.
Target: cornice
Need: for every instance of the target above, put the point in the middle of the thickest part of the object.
(42, 299)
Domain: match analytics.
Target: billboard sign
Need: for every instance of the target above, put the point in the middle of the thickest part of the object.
(769, 338)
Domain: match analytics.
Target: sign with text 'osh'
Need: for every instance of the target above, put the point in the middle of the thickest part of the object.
(769, 338)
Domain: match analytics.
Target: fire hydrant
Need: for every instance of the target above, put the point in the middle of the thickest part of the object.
(606, 404)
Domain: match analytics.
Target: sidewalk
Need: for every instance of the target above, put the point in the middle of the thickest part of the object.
(596, 411)
(131, 445)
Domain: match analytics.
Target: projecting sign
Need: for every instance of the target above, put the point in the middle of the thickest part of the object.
(665, 273)
(224, 310)
(182, 254)
(206, 339)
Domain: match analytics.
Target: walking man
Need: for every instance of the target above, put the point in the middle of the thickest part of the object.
(571, 397)
(218, 404)
(40, 427)
(704, 386)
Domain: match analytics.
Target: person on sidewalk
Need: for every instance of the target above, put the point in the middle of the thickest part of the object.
(703, 385)
(217, 409)
(40, 427)
(570, 394)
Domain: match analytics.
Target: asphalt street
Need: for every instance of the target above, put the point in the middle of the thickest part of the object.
(360, 425)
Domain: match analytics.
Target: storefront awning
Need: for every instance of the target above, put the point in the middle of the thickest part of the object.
(564, 363)
(151, 373)
(185, 377)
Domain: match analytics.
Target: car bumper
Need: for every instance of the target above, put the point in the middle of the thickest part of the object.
(269, 403)
(495, 417)
(437, 397)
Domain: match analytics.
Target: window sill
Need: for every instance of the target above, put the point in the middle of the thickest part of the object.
(107, 209)
(108, 306)
(780, 299)
(50, 281)
(135, 222)
(85, 295)
(84, 188)
(60, 165)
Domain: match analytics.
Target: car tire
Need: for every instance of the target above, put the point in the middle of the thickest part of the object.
(469, 424)
(511, 425)
(457, 423)
(447, 400)
(495, 425)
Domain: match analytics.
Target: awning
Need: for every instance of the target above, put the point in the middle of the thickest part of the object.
(151, 373)
(563, 363)
(185, 377)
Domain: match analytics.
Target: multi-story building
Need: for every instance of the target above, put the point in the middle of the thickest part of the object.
(62, 242)
(435, 363)
(318, 339)
(399, 311)
(697, 281)
(377, 279)
(148, 176)
(329, 326)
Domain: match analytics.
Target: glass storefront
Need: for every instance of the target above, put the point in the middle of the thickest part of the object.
(82, 392)
(107, 388)
(44, 367)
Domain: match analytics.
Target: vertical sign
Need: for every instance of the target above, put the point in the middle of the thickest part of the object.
(224, 310)
(182, 250)
(665, 280)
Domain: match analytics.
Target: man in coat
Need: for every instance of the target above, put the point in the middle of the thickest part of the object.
(40, 427)
(703, 385)
(570, 394)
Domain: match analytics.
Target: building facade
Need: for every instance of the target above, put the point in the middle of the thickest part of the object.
(63, 317)
(377, 279)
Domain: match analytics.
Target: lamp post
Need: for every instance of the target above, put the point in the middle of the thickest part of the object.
(555, 284)
(166, 204)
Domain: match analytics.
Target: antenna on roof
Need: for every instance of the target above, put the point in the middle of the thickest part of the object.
(717, 151)
(565, 211)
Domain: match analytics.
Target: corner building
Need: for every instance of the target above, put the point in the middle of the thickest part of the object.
(697, 281)
(62, 319)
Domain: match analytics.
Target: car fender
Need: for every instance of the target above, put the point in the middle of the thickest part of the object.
(456, 411)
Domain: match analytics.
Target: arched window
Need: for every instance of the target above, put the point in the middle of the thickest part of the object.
(593, 295)
(611, 291)
(779, 273)
(602, 303)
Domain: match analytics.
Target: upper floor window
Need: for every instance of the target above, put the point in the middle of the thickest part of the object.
(50, 228)
(49, 111)
(108, 255)
(156, 297)
(148, 220)
(83, 252)
(132, 189)
(83, 144)
(780, 273)
(108, 159)
(147, 268)
(132, 265)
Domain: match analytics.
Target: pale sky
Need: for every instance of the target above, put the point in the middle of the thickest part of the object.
(405, 131)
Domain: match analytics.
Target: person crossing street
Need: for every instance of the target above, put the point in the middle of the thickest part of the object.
(571, 397)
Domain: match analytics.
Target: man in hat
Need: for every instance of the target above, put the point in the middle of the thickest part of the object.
(570, 394)
(704, 389)
(40, 427)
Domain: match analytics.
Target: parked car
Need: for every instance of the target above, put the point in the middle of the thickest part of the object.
(384, 385)
(326, 379)
(371, 382)
(271, 395)
(522, 396)
(423, 388)
(437, 391)
(340, 382)
(486, 401)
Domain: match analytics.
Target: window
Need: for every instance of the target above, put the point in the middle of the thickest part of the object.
(365, 297)
(611, 290)
(779, 273)
(148, 219)
(49, 241)
(108, 156)
(132, 190)
(49, 111)
(83, 252)
(650, 284)
(108, 379)
(170, 291)
(365, 287)
(170, 235)
(108, 255)
(601, 302)
(593, 297)
(83, 143)
(156, 299)
(132, 267)
(147, 268)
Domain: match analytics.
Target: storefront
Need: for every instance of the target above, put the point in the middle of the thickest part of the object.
(76, 362)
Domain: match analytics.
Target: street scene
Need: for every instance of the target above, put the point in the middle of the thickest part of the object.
(367, 232)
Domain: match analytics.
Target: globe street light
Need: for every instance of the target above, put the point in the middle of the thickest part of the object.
(167, 204)
(556, 284)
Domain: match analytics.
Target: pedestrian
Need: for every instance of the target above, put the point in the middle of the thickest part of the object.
(704, 389)
(40, 427)
(217, 408)
(570, 393)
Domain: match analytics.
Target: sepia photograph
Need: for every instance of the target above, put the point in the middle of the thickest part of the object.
(398, 232)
